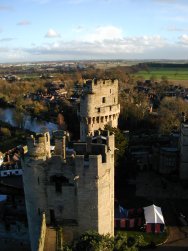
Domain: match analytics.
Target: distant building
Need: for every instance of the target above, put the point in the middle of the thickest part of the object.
(169, 158)
(8, 169)
(10, 162)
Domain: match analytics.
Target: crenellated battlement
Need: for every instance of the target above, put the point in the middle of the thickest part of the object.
(39, 146)
(61, 138)
(101, 144)
(92, 85)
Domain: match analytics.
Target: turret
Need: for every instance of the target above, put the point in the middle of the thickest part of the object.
(61, 139)
(98, 106)
(34, 179)
(39, 146)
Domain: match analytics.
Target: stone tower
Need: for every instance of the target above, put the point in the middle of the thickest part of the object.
(74, 187)
(34, 185)
(94, 166)
(184, 151)
(98, 106)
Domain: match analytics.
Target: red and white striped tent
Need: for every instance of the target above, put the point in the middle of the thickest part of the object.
(154, 219)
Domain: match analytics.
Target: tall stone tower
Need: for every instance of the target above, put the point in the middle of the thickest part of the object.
(34, 183)
(183, 172)
(98, 106)
(74, 186)
(95, 192)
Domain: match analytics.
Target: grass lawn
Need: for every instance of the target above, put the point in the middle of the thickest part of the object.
(170, 73)
(148, 237)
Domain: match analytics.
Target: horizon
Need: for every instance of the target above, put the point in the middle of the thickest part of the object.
(171, 61)
(88, 30)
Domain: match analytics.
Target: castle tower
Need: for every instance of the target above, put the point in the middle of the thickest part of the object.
(74, 187)
(34, 183)
(98, 106)
(95, 184)
(183, 172)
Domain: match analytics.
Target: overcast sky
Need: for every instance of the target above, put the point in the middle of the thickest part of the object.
(33, 30)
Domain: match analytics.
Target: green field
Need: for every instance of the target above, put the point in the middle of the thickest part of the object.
(157, 73)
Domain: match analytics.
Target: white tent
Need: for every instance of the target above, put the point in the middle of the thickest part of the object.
(153, 214)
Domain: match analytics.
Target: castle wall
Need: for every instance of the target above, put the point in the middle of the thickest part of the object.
(62, 202)
(34, 183)
(110, 160)
(104, 209)
(96, 191)
(87, 196)
(184, 152)
(35, 197)
(42, 234)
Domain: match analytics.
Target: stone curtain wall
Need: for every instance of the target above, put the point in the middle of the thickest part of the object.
(42, 233)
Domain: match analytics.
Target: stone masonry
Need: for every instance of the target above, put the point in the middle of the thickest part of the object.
(98, 106)
(74, 186)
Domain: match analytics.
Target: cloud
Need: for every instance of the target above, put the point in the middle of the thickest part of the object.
(118, 47)
(111, 46)
(176, 29)
(5, 8)
(104, 33)
(8, 39)
(183, 39)
(52, 34)
(13, 55)
(24, 22)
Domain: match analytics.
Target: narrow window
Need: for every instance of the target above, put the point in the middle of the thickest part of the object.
(103, 100)
(75, 191)
(110, 108)
(58, 187)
